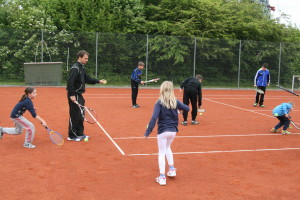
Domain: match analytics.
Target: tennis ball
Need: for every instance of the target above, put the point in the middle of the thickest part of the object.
(86, 139)
(201, 113)
(276, 114)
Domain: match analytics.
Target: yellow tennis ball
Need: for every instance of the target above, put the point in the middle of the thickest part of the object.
(201, 113)
(86, 139)
(276, 114)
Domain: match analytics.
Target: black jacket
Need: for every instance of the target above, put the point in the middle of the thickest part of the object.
(193, 83)
(77, 80)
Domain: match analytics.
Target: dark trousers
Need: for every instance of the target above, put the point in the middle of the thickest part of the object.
(190, 94)
(260, 97)
(283, 121)
(76, 127)
(134, 91)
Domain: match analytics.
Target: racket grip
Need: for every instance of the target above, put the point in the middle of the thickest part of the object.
(46, 127)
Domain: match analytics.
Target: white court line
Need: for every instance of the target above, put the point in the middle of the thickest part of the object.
(127, 97)
(207, 95)
(206, 136)
(271, 110)
(119, 94)
(122, 152)
(249, 98)
(239, 108)
(211, 152)
(116, 145)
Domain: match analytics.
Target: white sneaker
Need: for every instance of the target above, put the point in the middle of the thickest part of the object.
(171, 173)
(161, 180)
(29, 145)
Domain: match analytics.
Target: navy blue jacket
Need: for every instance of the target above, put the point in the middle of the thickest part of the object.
(136, 75)
(167, 118)
(262, 78)
(21, 107)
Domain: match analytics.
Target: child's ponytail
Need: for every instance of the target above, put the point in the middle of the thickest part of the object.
(27, 91)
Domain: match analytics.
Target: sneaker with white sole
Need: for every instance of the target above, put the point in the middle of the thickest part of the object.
(195, 122)
(171, 173)
(285, 132)
(184, 123)
(76, 139)
(161, 180)
(29, 145)
(85, 136)
(273, 130)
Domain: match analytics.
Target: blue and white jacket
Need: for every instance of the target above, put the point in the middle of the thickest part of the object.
(136, 75)
(262, 77)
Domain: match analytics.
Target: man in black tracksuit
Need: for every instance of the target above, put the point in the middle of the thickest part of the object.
(192, 90)
(76, 87)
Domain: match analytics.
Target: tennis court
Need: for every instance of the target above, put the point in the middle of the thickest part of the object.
(230, 155)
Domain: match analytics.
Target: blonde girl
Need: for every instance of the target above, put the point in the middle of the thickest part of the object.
(165, 111)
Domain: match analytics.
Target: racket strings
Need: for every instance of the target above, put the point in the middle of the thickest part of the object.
(296, 125)
(56, 138)
(90, 116)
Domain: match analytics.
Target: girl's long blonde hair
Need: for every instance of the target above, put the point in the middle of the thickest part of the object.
(167, 97)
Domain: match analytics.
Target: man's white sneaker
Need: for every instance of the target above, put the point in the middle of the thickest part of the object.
(161, 180)
(171, 173)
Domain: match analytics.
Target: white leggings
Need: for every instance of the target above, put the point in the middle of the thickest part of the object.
(164, 141)
(20, 123)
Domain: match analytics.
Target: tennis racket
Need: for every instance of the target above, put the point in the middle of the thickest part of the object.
(152, 80)
(88, 114)
(260, 91)
(296, 125)
(55, 137)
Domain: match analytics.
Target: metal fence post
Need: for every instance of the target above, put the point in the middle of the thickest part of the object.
(42, 48)
(68, 56)
(96, 71)
(239, 70)
(279, 64)
(147, 52)
(195, 51)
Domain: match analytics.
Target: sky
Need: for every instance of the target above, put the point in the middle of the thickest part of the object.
(289, 7)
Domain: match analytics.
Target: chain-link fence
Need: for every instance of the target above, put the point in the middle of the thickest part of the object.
(223, 63)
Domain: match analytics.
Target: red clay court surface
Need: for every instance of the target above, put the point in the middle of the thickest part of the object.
(230, 155)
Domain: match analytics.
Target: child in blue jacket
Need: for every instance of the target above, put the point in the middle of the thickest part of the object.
(261, 81)
(282, 113)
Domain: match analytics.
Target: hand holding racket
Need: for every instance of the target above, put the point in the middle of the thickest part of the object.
(88, 114)
(55, 137)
